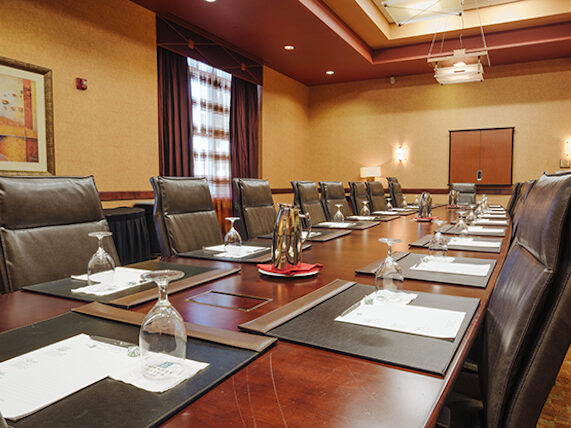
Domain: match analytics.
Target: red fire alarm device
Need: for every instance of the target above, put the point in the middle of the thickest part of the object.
(80, 83)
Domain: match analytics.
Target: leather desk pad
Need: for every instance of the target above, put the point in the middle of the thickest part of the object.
(193, 275)
(315, 325)
(113, 403)
(411, 259)
(425, 240)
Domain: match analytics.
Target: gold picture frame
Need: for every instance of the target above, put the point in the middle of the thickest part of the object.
(26, 119)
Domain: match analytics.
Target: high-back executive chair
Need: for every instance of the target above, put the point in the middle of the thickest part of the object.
(466, 192)
(44, 226)
(358, 195)
(513, 198)
(376, 193)
(333, 193)
(395, 191)
(527, 329)
(306, 197)
(253, 199)
(185, 219)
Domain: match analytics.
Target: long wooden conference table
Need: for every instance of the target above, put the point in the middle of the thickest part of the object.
(295, 385)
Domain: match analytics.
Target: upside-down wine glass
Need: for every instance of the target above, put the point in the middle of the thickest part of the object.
(404, 204)
(339, 217)
(162, 338)
(389, 205)
(232, 240)
(365, 211)
(389, 274)
(471, 216)
(461, 226)
(416, 201)
(100, 262)
(438, 245)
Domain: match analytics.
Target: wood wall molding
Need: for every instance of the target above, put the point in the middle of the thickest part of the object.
(148, 194)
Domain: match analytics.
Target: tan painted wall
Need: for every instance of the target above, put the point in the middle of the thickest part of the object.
(284, 131)
(110, 130)
(365, 121)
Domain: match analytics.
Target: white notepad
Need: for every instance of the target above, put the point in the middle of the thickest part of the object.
(477, 229)
(471, 242)
(384, 212)
(338, 225)
(362, 217)
(109, 282)
(491, 222)
(453, 268)
(438, 323)
(235, 252)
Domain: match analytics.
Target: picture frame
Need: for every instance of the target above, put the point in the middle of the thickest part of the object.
(26, 119)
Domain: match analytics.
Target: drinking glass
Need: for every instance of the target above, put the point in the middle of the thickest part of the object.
(365, 211)
(389, 274)
(339, 217)
(461, 225)
(471, 216)
(438, 245)
(162, 338)
(232, 239)
(101, 261)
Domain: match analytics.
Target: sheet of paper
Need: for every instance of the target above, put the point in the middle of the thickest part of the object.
(384, 212)
(235, 252)
(39, 378)
(109, 282)
(362, 217)
(311, 235)
(453, 268)
(491, 222)
(438, 323)
(338, 225)
(500, 216)
(476, 229)
(472, 242)
(401, 209)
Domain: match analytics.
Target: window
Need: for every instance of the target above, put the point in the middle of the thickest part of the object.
(210, 89)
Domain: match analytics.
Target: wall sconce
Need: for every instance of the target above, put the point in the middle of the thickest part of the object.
(370, 172)
(401, 154)
(565, 163)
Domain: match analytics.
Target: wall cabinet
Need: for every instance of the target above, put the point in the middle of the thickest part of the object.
(481, 156)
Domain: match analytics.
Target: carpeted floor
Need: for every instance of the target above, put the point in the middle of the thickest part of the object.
(557, 409)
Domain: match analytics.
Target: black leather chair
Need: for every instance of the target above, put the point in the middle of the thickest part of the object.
(44, 226)
(519, 204)
(513, 198)
(333, 193)
(255, 205)
(527, 329)
(376, 194)
(185, 219)
(466, 192)
(306, 197)
(395, 191)
(358, 195)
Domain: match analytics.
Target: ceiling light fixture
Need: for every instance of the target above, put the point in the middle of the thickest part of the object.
(330, 72)
(209, 1)
(289, 47)
(461, 66)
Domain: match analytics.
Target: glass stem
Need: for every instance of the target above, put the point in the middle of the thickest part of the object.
(163, 296)
(389, 251)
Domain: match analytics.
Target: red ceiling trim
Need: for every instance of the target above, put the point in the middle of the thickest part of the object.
(329, 18)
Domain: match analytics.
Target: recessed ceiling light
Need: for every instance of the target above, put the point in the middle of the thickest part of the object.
(330, 72)
(209, 1)
(289, 47)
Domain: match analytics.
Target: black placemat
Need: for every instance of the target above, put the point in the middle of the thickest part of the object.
(259, 257)
(425, 240)
(356, 225)
(322, 235)
(453, 230)
(111, 403)
(63, 287)
(317, 327)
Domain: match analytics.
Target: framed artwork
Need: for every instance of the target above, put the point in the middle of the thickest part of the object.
(26, 119)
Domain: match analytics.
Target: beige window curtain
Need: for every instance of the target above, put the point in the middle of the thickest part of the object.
(211, 92)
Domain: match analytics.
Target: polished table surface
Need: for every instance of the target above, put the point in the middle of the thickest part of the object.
(296, 385)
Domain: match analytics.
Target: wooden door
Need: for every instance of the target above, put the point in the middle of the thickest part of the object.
(464, 156)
